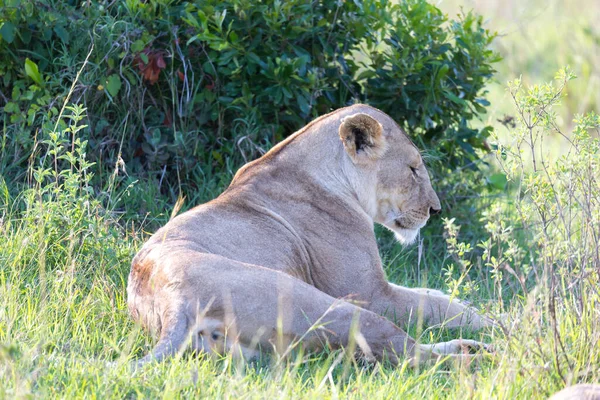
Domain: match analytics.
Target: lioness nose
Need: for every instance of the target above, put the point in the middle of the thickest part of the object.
(434, 211)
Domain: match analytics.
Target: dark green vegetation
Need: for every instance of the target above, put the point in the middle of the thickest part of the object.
(186, 92)
(179, 94)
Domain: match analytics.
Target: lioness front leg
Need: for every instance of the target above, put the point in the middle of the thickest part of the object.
(404, 305)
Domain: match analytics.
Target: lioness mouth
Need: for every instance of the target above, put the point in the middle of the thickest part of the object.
(400, 225)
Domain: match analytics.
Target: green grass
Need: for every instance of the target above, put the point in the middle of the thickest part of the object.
(61, 324)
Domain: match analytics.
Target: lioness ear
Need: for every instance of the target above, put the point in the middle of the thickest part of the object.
(362, 137)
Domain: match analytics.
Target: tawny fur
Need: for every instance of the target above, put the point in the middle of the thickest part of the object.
(578, 392)
(287, 253)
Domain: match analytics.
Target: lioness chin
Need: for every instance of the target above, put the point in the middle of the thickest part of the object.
(271, 260)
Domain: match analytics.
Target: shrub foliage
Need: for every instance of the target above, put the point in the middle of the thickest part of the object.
(200, 86)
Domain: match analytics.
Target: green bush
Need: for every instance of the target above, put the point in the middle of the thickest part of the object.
(183, 89)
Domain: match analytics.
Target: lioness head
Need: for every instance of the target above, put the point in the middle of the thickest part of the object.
(403, 196)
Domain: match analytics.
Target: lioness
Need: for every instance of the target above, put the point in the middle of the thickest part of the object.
(288, 251)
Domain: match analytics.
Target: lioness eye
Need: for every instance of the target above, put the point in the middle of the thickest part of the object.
(413, 170)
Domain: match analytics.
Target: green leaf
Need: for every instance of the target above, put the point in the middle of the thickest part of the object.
(25, 36)
(8, 31)
(256, 60)
(225, 99)
(4, 193)
(217, 156)
(452, 97)
(62, 33)
(31, 70)
(113, 85)
(443, 71)
(303, 104)
(366, 74)
(11, 107)
(498, 181)
(138, 46)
